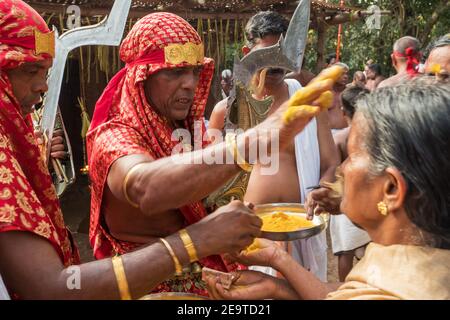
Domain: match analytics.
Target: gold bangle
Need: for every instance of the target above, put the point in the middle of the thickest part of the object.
(125, 185)
(176, 262)
(231, 145)
(188, 245)
(240, 160)
(121, 278)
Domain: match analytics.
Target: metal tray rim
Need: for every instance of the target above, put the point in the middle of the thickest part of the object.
(303, 233)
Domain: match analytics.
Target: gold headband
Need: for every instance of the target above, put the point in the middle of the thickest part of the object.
(188, 52)
(44, 42)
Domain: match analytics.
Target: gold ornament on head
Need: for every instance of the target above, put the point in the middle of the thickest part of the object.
(44, 42)
(189, 52)
(382, 208)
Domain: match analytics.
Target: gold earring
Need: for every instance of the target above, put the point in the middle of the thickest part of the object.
(382, 208)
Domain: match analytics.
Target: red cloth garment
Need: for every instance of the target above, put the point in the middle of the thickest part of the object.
(28, 200)
(124, 123)
(412, 61)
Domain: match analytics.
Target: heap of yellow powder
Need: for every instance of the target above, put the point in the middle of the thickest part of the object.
(281, 222)
(253, 247)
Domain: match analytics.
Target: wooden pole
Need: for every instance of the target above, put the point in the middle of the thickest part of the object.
(339, 39)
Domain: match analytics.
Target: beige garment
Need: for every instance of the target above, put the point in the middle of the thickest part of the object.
(398, 272)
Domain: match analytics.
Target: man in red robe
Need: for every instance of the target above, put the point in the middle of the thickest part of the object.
(139, 194)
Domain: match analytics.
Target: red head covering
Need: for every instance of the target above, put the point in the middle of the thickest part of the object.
(28, 200)
(412, 61)
(124, 123)
(18, 23)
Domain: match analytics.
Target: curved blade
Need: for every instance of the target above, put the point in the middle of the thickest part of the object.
(297, 34)
(269, 57)
(286, 54)
(107, 32)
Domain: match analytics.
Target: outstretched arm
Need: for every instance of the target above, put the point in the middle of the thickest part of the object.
(31, 267)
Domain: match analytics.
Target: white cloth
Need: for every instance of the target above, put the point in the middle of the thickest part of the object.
(310, 253)
(3, 292)
(345, 236)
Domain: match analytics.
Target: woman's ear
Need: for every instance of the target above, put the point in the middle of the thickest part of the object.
(394, 189)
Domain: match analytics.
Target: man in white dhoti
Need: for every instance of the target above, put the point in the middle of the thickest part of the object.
(311, 158)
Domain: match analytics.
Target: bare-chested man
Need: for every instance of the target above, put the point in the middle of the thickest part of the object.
(405, 60)
(359, 79)
(335, 115)
(374, 76)
(313, 149)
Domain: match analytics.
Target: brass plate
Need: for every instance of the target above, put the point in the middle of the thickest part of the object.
(296, 209)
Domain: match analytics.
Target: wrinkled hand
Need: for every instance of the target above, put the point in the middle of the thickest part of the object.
(322, 200)
(248, 285)
(262, 252)
(230, 228)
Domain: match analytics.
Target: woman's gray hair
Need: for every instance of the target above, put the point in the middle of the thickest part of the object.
(409, 129)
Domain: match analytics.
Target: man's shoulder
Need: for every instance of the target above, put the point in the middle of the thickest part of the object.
(392, 81)
(293, 82)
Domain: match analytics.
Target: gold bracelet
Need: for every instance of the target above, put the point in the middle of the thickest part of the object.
(188, 245)
(125, 185)
(176, 262)
(121, 278)
(239, 159)
(231, 145)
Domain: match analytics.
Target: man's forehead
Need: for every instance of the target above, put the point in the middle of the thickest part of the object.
(267, 41)
(439, 56)
(441, 53)
(43, 64)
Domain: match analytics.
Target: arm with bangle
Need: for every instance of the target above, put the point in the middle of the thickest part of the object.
(131, 275)
(160, 185)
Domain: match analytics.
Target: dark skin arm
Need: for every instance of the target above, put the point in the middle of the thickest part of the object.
(329, 160)
(31, 267)
(298, 283)
(329, 157)
(217, 119)
(162, 185)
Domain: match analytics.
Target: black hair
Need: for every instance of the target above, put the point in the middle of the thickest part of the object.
(375, 67)
(330, 57)
(409, 129)
(349, 97)
(265, 23)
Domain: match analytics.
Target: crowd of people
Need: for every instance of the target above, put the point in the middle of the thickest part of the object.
(385, 139)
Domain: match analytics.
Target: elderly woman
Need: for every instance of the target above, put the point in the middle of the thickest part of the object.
(395, 186)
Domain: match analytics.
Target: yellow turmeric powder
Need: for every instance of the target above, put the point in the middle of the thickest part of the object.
(281, 222)
(253, 247)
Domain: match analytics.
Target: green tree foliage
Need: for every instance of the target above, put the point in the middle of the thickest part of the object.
(426, 20)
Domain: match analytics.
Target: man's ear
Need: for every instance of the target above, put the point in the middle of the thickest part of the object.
(394, 61)
(394, 189)
(245, 50)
